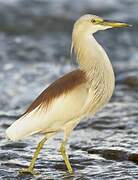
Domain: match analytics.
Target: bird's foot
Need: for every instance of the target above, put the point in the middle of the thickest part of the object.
(29, 171)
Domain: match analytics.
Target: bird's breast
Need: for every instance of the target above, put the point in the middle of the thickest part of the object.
(101, 86)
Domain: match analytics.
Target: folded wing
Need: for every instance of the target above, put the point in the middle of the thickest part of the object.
(53, 108)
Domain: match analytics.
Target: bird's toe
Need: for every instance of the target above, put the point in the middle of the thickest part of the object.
(29, 171)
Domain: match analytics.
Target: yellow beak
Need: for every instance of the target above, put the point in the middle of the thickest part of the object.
(115, 24)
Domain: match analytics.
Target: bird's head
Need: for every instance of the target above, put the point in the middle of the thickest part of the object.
(92, 23)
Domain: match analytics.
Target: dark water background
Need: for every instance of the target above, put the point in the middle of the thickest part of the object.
(35, 37)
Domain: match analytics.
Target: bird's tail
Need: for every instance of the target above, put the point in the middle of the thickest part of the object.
(23, 127)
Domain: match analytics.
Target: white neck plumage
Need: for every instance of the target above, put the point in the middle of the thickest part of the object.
(94, 61)
(89, 52)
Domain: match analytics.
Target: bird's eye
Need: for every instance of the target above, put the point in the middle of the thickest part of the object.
(93, 20)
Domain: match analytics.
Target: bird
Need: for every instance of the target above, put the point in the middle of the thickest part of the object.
(76, 95)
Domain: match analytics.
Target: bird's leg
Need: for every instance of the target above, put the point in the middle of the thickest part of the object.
(67, 131)
(65, 157)
(30, 169)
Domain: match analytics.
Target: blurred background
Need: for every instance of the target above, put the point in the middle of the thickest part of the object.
(35, 38)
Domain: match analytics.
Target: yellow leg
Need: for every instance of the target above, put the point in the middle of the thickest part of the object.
(30, 169)
(65, 157)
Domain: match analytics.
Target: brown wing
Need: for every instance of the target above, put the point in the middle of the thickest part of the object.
(61, 86)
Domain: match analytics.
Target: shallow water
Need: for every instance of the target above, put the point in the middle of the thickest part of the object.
(34, 51)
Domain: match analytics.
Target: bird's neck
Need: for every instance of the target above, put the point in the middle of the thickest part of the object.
(91, 56)
(89, 52)
(94, 61)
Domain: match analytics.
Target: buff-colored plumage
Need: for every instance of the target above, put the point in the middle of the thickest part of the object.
(76, 95)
